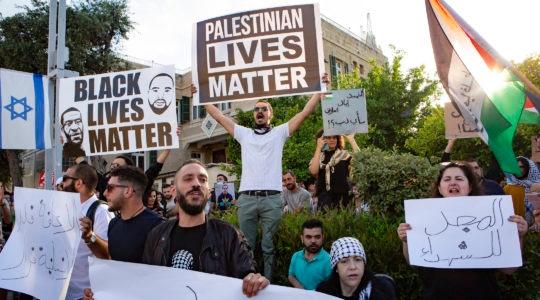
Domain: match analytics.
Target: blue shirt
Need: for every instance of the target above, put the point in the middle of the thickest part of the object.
(310, 273)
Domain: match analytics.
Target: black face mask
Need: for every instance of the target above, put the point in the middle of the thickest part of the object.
(262, 129)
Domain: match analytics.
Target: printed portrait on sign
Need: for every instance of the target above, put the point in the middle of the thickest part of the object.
(72, 129)
(161, 93)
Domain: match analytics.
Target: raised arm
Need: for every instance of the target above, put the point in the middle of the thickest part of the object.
(300, 117)
(352, 141)
(315, 161)
(402, 234)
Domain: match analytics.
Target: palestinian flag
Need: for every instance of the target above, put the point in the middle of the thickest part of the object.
(487, 89)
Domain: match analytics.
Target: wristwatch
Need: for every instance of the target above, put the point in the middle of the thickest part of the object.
(92, 239)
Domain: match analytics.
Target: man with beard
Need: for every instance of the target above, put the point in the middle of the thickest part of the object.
(72, 127)
(295, 198)
(196, 243)
(161, 93)
(310, 266)
(260, 187)
(82, 179)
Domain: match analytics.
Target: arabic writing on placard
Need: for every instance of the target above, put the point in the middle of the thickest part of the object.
(462, 232)
(41, 250)
(344, 112)
(455, 124)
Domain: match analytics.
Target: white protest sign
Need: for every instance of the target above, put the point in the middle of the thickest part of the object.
(344, 112)
(39, 255)
(462, 232)
(208, 125)
(257, 54)
(121, 280)
(118, 112)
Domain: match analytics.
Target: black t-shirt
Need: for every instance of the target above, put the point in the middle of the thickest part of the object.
(127, 237)
(460, 284)
(186, 244)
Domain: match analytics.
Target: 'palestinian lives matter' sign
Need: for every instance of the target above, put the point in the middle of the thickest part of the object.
(258, 54)
(118, 112)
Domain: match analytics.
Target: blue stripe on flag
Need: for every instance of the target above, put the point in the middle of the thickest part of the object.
(40, 112)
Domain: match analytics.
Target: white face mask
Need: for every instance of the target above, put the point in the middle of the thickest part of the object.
(219, 183)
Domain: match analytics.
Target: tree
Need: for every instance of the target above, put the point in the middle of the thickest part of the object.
(396, 102)
(94, 29)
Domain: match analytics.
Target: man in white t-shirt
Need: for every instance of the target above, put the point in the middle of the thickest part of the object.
(83, 179)
(260, 187)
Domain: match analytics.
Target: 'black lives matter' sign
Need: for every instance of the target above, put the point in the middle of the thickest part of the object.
(258, 54)
(118, 112)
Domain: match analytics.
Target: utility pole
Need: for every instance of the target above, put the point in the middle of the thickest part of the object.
(57, 57)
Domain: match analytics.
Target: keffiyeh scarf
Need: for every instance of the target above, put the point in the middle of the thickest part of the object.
(339, 155)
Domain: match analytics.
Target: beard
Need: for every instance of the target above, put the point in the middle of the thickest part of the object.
(158, 110)
(313, 248)
(69, 188)
(191, 209)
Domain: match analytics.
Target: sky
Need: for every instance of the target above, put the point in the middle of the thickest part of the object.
(163, 28)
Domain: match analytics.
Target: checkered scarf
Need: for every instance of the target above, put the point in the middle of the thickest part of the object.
(345, 247)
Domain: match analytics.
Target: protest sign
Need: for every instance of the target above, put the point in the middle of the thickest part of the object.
(344, 112)
(118, 112)
(455, 125)
(39, 255)
(462, 232)
(121, 280)
(258, 54)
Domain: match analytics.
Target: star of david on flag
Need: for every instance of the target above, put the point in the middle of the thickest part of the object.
(24, 110)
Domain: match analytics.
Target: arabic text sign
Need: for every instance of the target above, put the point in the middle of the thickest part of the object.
(462, 232)
(39, 255)
(258, 54)
(118, 112)
(120, 280)
(455, 125)
(344, 112)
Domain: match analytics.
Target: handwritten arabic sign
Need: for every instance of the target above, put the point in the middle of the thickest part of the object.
(39, 255)
(455, 125)
(121, 280)
(462, 232)
(344, 112)
(258, 54)
(118, 112)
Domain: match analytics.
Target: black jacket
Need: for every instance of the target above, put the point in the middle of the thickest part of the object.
(224, 251)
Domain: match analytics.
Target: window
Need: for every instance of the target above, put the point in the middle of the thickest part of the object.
(198, 112)
(196, 155)
(219, 156)
(338, 68)
(225, 106)
(361, 69)
(183, 110)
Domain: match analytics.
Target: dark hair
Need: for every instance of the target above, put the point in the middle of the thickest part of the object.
(128, 160)
(224, 177)
(476, 188)
(340, 139)
(165, 186)
(87, 174)
(133, 176)
(472, 160)
(289, 172)
(312, 223)
(525, 172)
(189, 162)
(148, 194)
(160, 75)
(66, 111)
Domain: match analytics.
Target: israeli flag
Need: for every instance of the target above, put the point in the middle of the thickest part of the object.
(24, 110)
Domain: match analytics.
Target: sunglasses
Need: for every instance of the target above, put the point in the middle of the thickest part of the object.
(259, 108)
(65, 178)
(111, 186)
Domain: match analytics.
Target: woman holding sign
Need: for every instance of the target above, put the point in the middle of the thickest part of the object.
(455, 180)
(330, 165)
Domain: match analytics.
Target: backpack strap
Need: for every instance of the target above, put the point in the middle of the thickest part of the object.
(91, 212)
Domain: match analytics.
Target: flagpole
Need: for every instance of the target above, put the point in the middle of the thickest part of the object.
(56, 70)
(528, 84)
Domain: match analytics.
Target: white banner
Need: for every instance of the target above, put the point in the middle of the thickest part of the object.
(462, 232)
(39, 255)
(121, 280)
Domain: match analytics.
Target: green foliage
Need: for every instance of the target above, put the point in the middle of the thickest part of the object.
(385, 179)
(396, 102)
(94, 29)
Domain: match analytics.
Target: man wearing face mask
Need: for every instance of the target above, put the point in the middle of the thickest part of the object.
(260, 187)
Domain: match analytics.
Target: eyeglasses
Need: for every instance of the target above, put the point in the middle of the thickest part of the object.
(258, 108)
(111, 186)
(65, 178)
